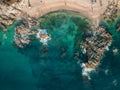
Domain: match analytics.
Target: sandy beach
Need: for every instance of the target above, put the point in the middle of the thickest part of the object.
(37, 8)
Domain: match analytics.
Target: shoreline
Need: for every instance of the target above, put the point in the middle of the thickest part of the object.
(32, 13)
(40, 8)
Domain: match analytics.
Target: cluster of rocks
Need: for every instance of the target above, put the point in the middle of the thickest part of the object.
(8, 1)
(28, 21)
(94, 45)
(29, 26)
(8, 13)
(23, 32)
(6, 20)
(10, 10)
(111, 11)
(21, 37)
(97, 41)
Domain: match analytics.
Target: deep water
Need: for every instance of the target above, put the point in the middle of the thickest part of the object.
(53, 67)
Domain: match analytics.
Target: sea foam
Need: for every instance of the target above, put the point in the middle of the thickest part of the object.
(86, 71)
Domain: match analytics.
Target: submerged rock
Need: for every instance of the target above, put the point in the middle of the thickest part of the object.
(115, 51)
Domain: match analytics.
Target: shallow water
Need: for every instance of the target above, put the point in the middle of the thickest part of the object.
(53, 67)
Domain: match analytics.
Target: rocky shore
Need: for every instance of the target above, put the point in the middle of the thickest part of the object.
(29, 27)
(94, 45)
(95, 42)
(8, 13)
(35, 8)
(112, 12)
(101, 37)
(98, 40)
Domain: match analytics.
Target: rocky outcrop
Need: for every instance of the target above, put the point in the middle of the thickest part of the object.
(8, 12)
(94, 45)
(98, 41)
(111, 12)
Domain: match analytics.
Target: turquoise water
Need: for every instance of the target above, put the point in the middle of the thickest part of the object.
(53, 67)
(109, 69)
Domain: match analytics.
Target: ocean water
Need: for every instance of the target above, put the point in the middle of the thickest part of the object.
(54, 67)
